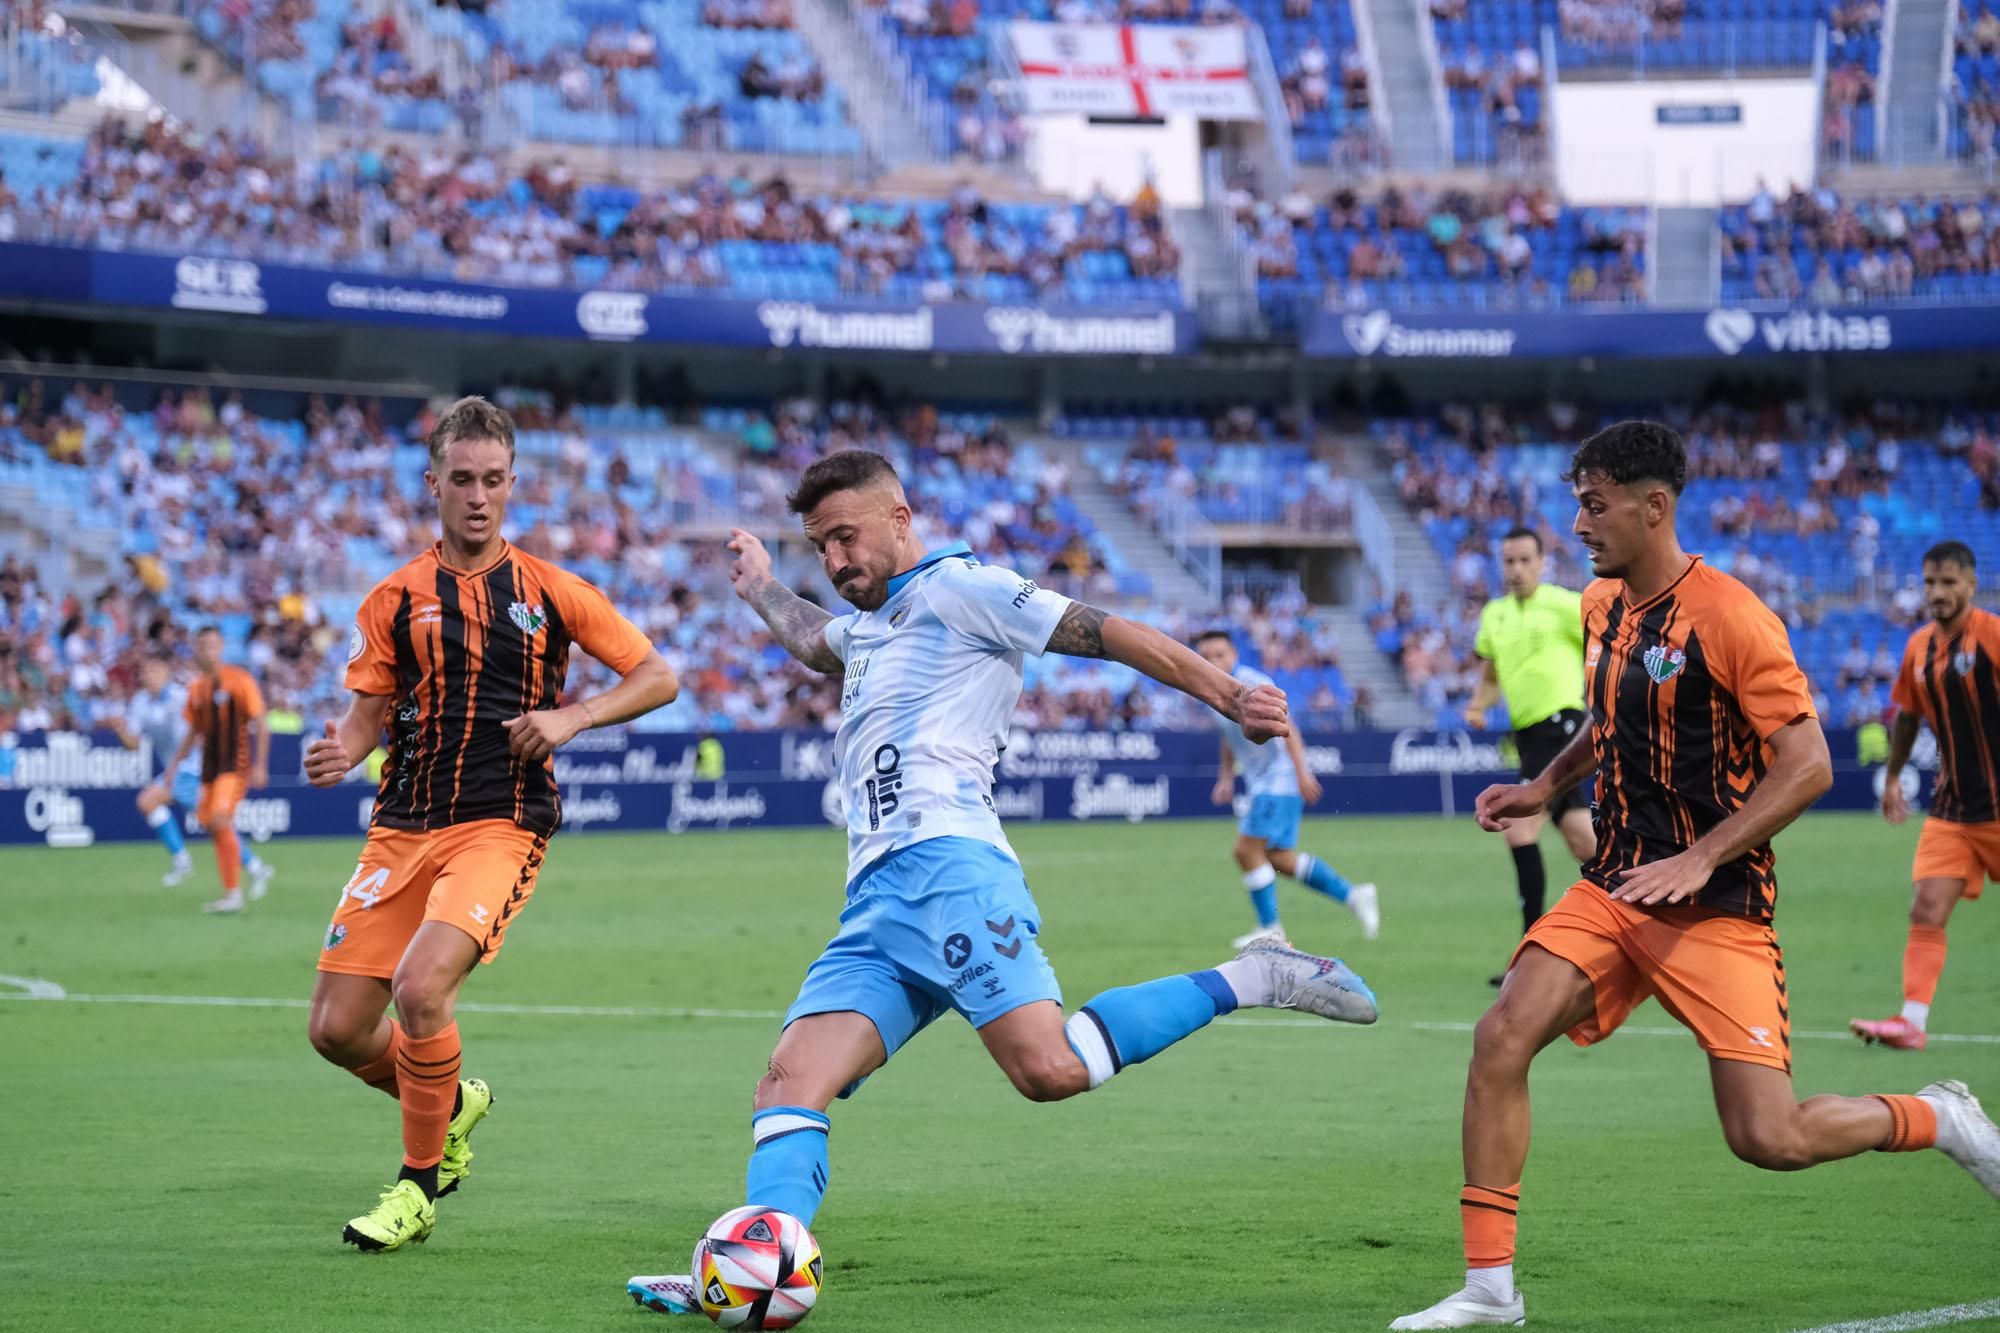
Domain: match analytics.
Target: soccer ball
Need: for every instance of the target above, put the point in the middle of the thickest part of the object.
(757, 1268)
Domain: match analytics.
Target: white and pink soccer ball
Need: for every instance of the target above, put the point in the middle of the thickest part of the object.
(757, 1268)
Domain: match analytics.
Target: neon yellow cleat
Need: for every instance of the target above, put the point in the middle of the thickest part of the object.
(476, 1100)
(403, 1216)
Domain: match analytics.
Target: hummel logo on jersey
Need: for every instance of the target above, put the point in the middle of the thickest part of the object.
(1664, 662)
(1762, 1036)
(430, 615)
(1596, 651)
(479, 913)
(530, 617)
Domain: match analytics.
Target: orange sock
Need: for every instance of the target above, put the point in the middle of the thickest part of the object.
(1912, 1123)
(426, 1084)
(1923, 963)
(1487, 1216)
(380, 1073)
(228, 855)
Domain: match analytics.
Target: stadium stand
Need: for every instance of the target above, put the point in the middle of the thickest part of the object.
(1818, 246)
(1312, 43)
(1975, 81)
(1825, 518)
(1415, 246)
(39, 69)
(458, 217)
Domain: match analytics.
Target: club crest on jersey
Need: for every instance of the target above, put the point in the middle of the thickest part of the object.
(357, 643)
(902, 613)
(1664, 662)
(1964, 660)
(335, 933)
(530, 617)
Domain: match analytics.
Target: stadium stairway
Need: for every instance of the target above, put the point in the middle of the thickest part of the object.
(1216, 275)
(189, 79)
(1366, 667)
(1143, 548)
(889, 125)
(1684, 257)
(1919, 32)
(1411, 83)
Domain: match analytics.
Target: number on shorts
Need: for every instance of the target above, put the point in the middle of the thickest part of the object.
(366, 887)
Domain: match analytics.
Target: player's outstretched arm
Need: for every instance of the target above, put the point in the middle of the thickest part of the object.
(1800, 771)
(794, 622)
(1088, 631)
(1504, 802)
(537, 734)
(347, 742)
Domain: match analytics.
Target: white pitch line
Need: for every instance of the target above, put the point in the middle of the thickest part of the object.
(1896, 1323)
(36, 989)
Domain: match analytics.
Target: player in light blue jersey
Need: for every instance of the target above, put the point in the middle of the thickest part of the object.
(1280, 785)
(938, 916)
(158, 714)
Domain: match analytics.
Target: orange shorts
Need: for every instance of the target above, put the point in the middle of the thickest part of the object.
(475, 876)
(1946, 850)
(1721, 976)
(219, 799)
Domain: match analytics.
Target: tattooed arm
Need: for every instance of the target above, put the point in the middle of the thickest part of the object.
(794, 622)
(1086, 631)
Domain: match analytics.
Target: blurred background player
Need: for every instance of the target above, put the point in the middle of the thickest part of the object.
(1280, 785)
(225, 716)
(468, 647)
(1951, 679)
(1704, 736)
(1530, 646)
(938, 914)
(156, 713)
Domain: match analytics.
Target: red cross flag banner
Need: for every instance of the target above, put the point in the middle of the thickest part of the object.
(1103, 69)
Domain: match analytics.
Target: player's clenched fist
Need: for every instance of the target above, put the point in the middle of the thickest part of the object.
(1504, 802)
(752, 565)
(327, 760)
(1263, 713)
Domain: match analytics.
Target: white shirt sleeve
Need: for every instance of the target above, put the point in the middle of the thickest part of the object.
(997, 608)
(836, 631)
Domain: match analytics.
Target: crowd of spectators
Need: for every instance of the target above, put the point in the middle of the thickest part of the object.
(1975, 85)
(1819, 246)
(1521, 242)
(455, 214)
(228, 517)
(1853, 48)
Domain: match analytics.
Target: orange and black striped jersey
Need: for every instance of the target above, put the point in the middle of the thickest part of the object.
(220, 708)
(1952, 681)
(1684, 690)
(461, 652)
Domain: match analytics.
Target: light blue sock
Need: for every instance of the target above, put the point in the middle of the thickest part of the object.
(169, 830)
(788, 1167)
(1133, 1023)
(1317, 875)
(248, 855)
(1262, 884)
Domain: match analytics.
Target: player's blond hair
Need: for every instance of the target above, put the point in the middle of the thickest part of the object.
(471, 418)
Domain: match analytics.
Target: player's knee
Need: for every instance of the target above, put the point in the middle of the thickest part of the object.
(1048, 1077)
(1772, 1147)
(1249, 854)
(1500, 1044)
(337, 1036)
(423, 1003)
(1926, 910)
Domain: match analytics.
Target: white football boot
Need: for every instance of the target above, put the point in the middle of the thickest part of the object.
(1313, 985)
(1965, 1133)
(1462, 1309)
(1274, 933)
(670, 1294)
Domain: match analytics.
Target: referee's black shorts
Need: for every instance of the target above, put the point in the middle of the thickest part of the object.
(1540, 744)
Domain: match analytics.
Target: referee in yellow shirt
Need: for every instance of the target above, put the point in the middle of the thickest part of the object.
(1531, 641)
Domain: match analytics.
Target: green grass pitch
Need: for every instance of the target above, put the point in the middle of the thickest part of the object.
(189, 1167)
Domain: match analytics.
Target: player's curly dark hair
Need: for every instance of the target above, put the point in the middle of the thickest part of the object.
(1633, 451)
(847, 470)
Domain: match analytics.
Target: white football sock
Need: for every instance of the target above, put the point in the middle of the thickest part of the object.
(1250, 979)
(157, 816)
(1916, 1014)
(1495, 1286)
